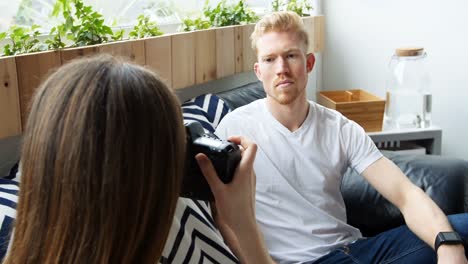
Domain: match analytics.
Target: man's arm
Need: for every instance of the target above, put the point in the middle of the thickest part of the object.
(421, 214)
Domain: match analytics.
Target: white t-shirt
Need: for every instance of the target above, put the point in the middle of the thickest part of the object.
(299, 205)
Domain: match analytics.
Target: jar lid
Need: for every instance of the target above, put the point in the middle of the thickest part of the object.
(409, 51)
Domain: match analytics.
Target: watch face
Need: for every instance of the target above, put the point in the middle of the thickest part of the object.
(451, 236)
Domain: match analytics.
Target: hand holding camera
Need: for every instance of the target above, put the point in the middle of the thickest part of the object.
(229, 172)
(234, 209)
(224, 155)
(236, 199)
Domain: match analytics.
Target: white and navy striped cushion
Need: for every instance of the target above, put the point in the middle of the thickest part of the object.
(8, 200)
(194, 238)
(208, 109)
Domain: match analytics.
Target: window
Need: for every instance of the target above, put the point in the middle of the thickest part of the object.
(118, 13)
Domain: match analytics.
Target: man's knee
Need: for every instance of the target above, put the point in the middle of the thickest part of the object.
(459, 222)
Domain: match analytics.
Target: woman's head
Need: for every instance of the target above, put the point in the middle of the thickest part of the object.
(102, 160)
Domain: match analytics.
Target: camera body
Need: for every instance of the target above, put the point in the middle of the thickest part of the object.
(224, 155)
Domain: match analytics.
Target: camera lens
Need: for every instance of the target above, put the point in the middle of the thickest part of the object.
(229, 149)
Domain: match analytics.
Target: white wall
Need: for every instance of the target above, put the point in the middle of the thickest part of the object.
(361, 36)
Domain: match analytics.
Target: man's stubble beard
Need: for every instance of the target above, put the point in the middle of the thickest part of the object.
(288, 98)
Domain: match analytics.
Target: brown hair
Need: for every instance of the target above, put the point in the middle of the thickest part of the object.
(102, 160)
(281, 21)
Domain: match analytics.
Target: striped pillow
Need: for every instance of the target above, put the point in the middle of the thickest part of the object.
(8, 199)
(193, 237)
(208, 109)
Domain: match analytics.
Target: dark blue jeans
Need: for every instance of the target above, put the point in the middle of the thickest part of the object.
(398, 245)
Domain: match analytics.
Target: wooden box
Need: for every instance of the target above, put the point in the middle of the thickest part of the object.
(358, 105)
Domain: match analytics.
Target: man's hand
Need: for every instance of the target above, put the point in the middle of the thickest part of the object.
(451, 254)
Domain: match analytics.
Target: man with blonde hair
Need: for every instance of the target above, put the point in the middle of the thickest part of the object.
(303, 151)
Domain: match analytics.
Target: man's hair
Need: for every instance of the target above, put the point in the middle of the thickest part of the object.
(102, 161)
(282, 21)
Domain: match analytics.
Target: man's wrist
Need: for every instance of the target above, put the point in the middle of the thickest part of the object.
(450, 250)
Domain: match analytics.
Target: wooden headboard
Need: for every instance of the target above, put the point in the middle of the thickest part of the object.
(182, 59)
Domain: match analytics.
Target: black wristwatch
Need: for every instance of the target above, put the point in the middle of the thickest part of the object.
(447, 238)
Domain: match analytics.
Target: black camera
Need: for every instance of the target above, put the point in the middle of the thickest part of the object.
(224, 155)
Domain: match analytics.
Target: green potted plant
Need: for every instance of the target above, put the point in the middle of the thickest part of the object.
(223, 14)
(82, 25)
(301, 7)
(22, 40)
(145, 28)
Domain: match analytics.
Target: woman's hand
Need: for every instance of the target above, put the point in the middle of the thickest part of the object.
(235, 201)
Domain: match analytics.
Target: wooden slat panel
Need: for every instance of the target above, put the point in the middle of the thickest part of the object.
(225, 55)
(131, 49)
(238, 49)
(205, 56)
(319, 37)
(183, 60)
(245, 55)
(73, 53)
(158, 56)
(315, 26)
(32, 69)
(309, 25)
(174, 59)
(10, 118)
(249, 57)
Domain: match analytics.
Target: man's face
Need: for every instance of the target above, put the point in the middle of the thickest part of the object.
(283, 66)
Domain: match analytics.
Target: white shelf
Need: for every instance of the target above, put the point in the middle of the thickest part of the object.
(429, 138)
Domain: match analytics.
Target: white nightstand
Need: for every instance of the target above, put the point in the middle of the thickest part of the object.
(429, 138)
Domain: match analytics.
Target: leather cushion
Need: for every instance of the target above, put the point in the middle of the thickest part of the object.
(441, 178)
(243, 95)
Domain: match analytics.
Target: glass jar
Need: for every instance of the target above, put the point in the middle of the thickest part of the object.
(409, 100)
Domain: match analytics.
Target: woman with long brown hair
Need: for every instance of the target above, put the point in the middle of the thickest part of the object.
(102, 160)
(100, 166)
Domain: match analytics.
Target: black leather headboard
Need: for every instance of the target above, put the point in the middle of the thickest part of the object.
(243, 95)
(442, 178)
